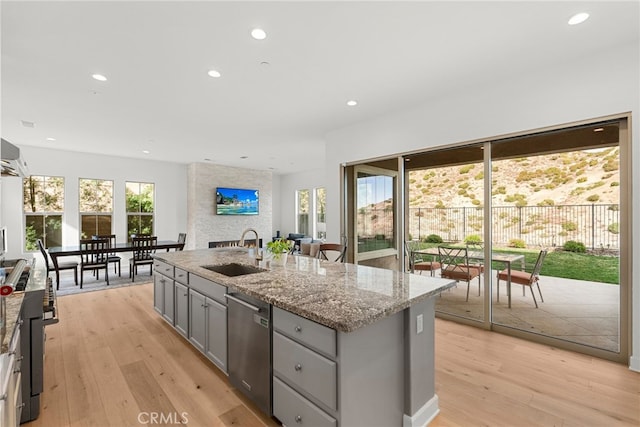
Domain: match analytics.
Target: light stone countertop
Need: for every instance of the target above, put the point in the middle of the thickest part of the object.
(341, 296)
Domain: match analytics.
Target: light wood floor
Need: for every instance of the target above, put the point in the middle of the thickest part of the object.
(112, 361)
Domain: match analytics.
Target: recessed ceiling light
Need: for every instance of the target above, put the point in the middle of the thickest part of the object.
(352, 103)
(214, 73)
(51, 139)
(578, 18)
(99, 77)
(598, 129)
(258, 34)
(244, 157)
(146, 151)
(27, 123)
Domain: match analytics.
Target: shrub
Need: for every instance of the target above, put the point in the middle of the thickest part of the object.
(569, 226)
(472, 239)
(593, 198)
(433, 238)
(546, 202)
(465, 169)
(573, 246)
(614, 184)
(614, 228)
(517, 243)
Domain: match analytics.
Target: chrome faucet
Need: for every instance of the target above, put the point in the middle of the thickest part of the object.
(258, 254)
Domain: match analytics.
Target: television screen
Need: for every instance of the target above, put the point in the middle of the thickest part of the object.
(236, 201)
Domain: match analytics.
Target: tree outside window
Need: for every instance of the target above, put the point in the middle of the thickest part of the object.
(320, 208)
(43, 205)
(302, 212)
(140, 208)
(96, 207)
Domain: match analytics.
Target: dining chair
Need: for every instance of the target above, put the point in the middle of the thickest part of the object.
(94, 256)
(525, 279)
(455, 265)
(113, 257)
(66, 265)
(182, 238)
(143, 248)
(332, 252)
(431, 266)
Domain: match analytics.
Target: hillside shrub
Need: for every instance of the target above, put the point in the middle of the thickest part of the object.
(614, 184)
(569, 226)
(465, 169)
(614, 228)
(433, 238)
(593, 198)
(517, 243)
(574, 246)
(473, 239)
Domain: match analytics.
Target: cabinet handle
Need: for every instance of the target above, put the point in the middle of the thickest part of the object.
(184, 295)
(298, 367)
(16, 371)
(19, 359)
(298, 419)
(298, 328)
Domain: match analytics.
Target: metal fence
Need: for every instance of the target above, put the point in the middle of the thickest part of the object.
(595, 225)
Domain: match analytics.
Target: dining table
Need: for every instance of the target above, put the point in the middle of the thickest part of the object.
(506, 258)
(56, 252)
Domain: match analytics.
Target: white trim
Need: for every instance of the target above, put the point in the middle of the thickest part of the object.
(634, 363)
(424, 415)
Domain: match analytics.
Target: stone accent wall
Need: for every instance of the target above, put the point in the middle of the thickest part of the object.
(203, 225)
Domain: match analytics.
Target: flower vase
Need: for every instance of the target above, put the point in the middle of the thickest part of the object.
(280, 260)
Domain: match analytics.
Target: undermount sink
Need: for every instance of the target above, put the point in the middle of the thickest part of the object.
(234, 269)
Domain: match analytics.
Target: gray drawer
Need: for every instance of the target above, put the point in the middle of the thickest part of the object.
(163, 268)
(306, 369)
(306, 331)
(292, 409)
(208, 288)
(181, 276)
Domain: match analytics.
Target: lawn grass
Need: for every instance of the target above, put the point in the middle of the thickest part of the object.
(568, 265)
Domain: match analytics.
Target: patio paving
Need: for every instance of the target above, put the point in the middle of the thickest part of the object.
(574, 310)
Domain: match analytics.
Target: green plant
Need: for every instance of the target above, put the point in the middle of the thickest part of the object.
(574, 246)
(473, 239)
(517, 243)
(614, 228)
(279, 246)
(433, 238)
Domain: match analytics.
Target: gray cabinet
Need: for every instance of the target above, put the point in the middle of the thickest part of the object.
(181, 309)
(158, 293)
(163, 290)
(10, 383)
(305, 371)
(208, 327)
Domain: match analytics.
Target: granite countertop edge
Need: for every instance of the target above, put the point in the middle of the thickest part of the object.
(309, 280)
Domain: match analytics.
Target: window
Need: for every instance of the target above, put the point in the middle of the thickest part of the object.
(43, 198)
(140, 207)
(302, 212)
(96, 207)
(320, 223)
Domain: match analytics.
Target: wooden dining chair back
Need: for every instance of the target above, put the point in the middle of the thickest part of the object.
(66, 265)
(420, 262)
(94, 256)
(113, 257)
(525, 279)
(143, 248)
(455, 265)
(182, 238)
(332, 252)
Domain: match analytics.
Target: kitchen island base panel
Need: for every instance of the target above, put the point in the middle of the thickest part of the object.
(424, 416)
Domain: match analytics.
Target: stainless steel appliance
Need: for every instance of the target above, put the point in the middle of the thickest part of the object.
(249, 346)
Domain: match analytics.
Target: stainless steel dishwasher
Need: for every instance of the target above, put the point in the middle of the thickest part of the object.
(249, 346)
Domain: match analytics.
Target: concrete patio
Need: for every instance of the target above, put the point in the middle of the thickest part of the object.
(574, 310)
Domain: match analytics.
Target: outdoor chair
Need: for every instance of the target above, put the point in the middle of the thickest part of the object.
(332, 252)
(525, 279)
(143, 248)
(417, 261)
(94, 256)
(113, 258)
(455, 265)
(67, 265)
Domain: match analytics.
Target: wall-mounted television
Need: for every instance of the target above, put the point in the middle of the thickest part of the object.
(236, 201)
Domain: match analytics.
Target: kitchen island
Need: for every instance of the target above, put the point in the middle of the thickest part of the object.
(352, 345)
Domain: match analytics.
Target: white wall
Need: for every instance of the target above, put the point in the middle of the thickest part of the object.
(590, 87)
(170, 181)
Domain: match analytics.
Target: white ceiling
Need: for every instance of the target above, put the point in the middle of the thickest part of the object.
(156, 54)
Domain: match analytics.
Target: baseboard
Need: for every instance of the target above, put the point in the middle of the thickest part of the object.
(424, 415)
(634, 363)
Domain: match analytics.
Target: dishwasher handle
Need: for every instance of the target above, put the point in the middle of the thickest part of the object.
(243, 303)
